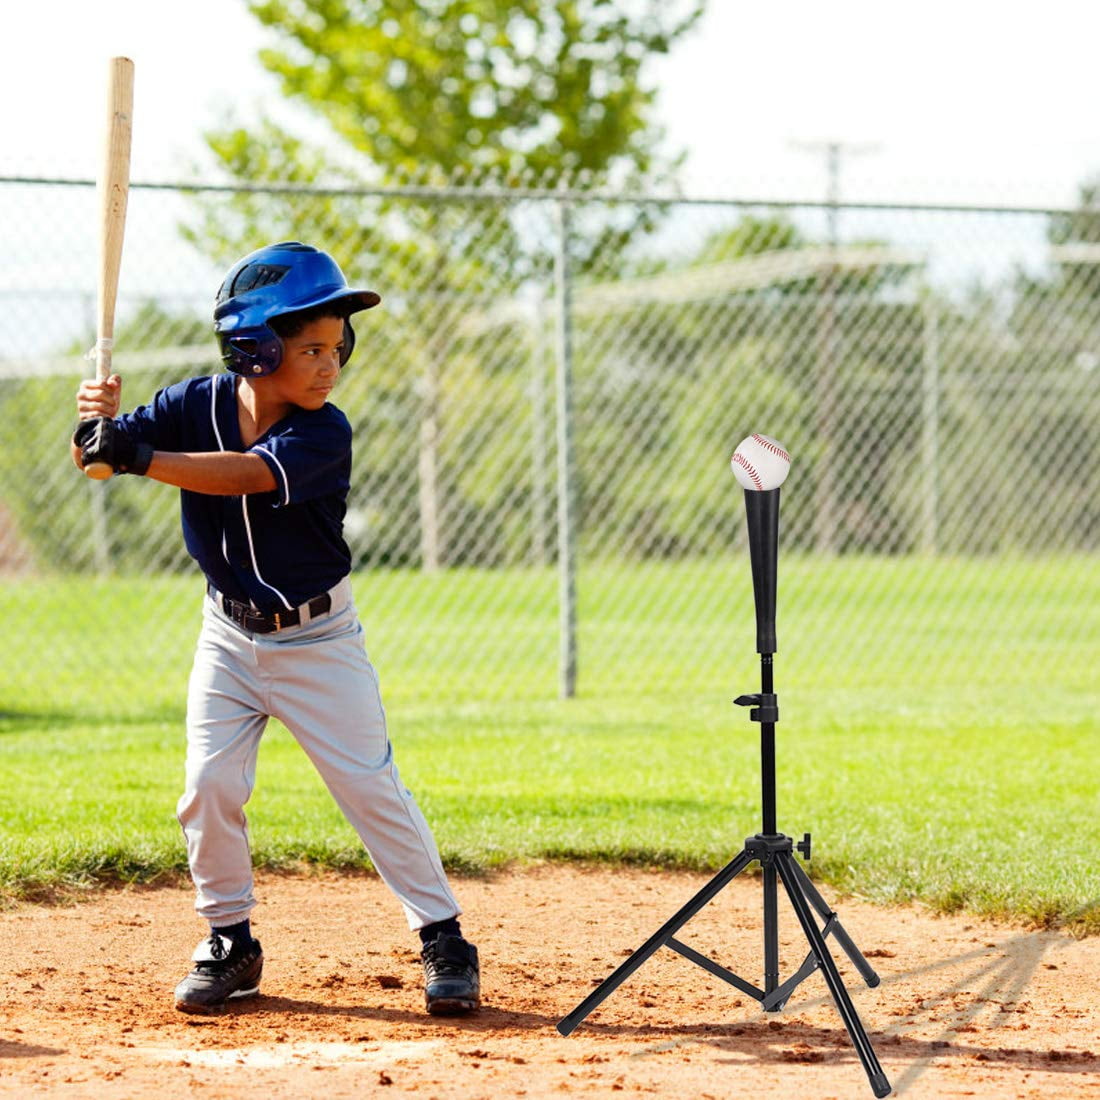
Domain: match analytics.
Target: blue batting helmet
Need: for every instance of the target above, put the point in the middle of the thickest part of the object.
(281, 278)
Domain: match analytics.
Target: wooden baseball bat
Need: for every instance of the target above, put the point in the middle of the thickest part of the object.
(113, 189)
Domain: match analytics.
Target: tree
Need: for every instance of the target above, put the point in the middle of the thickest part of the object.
(1075, 239)
(542, 87)
(1047, 361)
(726, 339)
(535, 91)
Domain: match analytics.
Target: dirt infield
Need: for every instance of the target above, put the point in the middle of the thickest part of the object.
(965, 1008)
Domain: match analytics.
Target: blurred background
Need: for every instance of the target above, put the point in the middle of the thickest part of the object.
(612, 239)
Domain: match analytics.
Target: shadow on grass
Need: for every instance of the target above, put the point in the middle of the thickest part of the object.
(29, 720)
(72, 888)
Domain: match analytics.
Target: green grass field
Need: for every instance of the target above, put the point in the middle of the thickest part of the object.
(938, 731)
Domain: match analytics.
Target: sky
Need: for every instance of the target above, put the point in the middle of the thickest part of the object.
(963, 101)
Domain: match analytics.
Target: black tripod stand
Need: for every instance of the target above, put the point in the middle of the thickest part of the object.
(771, 849)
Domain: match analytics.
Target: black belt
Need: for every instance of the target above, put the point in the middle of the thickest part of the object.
(256, 622)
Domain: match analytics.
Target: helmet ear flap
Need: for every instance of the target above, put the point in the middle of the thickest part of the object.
(349, 343)
(251, 352)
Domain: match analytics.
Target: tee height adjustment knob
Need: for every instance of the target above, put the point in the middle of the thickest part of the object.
(803, 846)
(766, 706)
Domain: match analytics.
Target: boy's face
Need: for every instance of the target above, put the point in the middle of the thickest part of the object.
(310, 365)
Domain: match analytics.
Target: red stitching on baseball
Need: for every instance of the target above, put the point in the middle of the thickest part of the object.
(747, 466)
(775, 449)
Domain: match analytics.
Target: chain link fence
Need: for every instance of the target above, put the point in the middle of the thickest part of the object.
(545, 405)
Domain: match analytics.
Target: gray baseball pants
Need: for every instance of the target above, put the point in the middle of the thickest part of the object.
(317, 680)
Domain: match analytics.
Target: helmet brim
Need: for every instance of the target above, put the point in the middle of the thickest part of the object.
(350, 301)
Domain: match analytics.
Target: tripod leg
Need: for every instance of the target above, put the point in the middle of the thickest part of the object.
(656, 941)
(787, 871)
(771, 933)
(842, 937)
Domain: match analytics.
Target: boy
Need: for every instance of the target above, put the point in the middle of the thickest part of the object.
(263, 462)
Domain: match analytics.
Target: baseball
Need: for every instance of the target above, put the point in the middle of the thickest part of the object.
(760, 463)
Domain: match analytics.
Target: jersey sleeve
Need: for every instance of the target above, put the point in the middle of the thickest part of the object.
(310, 457)
(161, 422)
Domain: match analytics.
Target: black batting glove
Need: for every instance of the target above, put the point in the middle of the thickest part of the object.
(102, 440)
(84, 431)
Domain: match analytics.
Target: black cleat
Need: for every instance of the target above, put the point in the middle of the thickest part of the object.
(452, 981)
(223, 971)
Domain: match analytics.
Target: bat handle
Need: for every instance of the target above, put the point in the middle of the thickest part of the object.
(101, 471)
(98, 471)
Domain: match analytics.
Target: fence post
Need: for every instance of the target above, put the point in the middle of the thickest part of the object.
(567, 535)
(540, 360)
(825, 522)
(429, 386)
(930, 422)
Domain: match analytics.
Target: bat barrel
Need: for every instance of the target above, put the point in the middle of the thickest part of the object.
(113, 190)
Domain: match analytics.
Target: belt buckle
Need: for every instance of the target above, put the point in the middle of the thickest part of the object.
(278, 625)
(245, 617)
(234, 610)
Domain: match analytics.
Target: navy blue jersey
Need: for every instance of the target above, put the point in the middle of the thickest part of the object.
(274, 550)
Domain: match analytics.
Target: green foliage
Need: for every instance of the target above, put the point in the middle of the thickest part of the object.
(528, 87)
(1064, 296)
(751, 235)
(649, 476)
(153, 327)
(42, 413)
(412, 90)
(70, 522)
(1077, 229)
(1046, 371)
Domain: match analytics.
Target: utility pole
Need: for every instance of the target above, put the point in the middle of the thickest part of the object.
(825, 379)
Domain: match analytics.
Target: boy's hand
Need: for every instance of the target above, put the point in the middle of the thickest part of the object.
(96, 398)
(101, 440)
